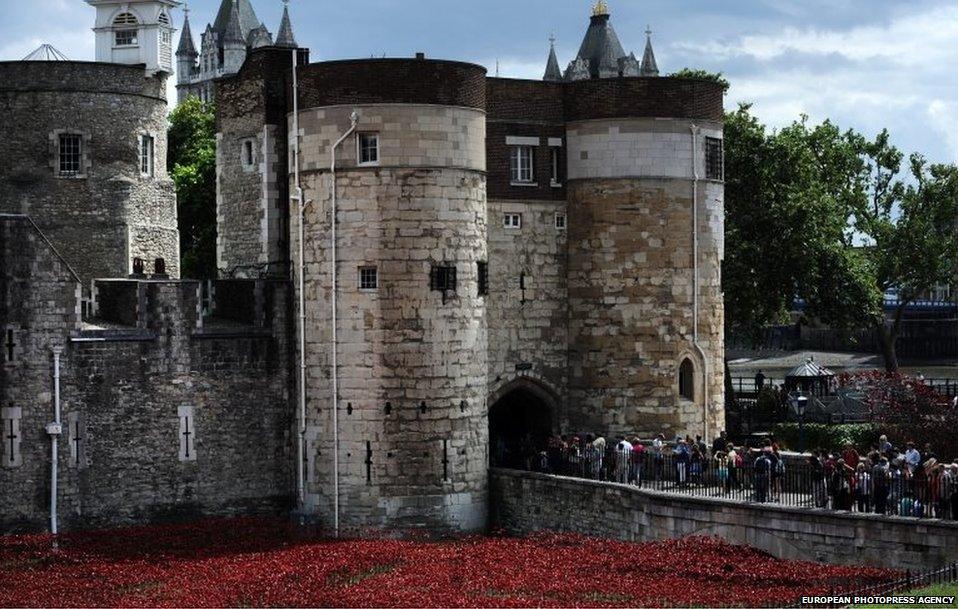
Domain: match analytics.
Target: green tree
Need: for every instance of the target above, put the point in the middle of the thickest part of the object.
(191, 161)
(702, 75)
(912, 232)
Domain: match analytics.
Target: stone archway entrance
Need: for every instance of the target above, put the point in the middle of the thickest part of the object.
(521, 422)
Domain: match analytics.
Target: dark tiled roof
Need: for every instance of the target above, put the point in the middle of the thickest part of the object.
(186, 40)
(601, 47)
(248, 21)
(285, 38)
(649, 65)
(553, 73)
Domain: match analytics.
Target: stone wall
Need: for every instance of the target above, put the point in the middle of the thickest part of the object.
(252, 198)
(127, 380)
(528, 328)
(631, 285)
(525, 503)
(411, 359)
(111, 213)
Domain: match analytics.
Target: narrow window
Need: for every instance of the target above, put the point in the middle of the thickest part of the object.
(70, 154)
(512, 221)
(687, 380)
(248, 157)
(368, 278)
(368, 148)
(76, 435)
(187, 434)
(714, 159)
(443, 279)
(522, 161)
(146, 155)
(560, 221)
(10, 428)
(556, 178)
(10, 345)
(483, 276)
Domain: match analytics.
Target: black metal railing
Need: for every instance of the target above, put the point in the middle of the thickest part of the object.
(751, 478)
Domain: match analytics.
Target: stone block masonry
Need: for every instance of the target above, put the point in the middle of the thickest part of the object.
(112, 210)
(129, 455)
(525, 503)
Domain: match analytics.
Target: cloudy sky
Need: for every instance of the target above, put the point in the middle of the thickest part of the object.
(865, 64)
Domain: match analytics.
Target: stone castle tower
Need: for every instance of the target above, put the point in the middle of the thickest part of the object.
(85, 153)
(224, 46)
(514, 258)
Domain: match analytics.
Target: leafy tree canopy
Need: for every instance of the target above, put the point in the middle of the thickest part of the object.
(191, 161)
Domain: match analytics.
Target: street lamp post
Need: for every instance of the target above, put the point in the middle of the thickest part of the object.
(800, 403)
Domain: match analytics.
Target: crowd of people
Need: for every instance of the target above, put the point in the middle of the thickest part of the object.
(886, 480)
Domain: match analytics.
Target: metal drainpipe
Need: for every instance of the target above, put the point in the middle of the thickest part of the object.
(54, 430)
(301, 207)
(695, 282)
(354, 119)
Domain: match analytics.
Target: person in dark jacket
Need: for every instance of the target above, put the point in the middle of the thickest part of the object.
(763, 474)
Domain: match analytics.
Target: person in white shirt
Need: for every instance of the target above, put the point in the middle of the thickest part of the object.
(863, 489)
(912, 458)
(658, 444)
(623, 456)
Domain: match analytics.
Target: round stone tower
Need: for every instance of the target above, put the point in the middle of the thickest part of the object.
(411, 323)
(646, 226)
(84, 156)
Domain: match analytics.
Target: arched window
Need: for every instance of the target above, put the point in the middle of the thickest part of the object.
(687, 380)
(125, 32)
(164, 19)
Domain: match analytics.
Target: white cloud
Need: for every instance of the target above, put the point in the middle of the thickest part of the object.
(944, 119)
(911, 40)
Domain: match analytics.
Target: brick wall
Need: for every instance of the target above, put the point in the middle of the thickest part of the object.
(400, 81)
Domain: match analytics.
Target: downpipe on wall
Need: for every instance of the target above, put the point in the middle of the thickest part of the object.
(353, 119)
(54, 430)
(695, 281)
(300, 267)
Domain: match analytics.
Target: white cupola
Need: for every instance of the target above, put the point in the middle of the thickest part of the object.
(135, 32)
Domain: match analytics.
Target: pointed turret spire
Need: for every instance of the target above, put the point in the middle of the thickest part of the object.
(234, 32)
(186, 48)
(553, 73)
(285, 38)
(649, 65)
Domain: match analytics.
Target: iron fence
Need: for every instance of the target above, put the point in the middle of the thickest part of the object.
(753, 479)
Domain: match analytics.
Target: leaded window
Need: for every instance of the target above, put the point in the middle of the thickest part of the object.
(70, 153)
(368, 278)
(522, 162)
(146, 155)
(714, 159)
(368, 148)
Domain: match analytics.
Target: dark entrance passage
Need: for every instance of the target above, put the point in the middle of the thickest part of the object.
(520, 425)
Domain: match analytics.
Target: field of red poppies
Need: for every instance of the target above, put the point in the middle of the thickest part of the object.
(263, 563)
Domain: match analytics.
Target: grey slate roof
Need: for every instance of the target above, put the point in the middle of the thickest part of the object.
(260, 37)
(248, 21)
(601, 47)
(234, 31)
(285, 38)
(649, 65)
(553, 73)
(186, 48)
